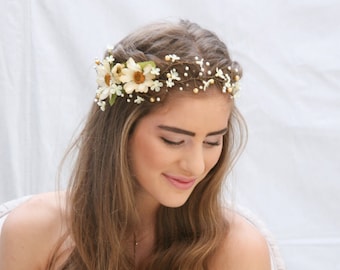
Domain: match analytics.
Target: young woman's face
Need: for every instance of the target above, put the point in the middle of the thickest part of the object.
(173, 148)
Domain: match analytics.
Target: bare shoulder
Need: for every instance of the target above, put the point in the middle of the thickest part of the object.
(30, 232)
(244, 247)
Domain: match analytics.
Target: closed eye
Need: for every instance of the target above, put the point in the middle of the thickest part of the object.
(172, 142)
(213, 143)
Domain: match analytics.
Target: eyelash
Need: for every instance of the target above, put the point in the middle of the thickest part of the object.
(213, 143)
(180, 142)
(172, 142)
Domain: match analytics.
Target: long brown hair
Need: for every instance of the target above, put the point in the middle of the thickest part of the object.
(101, 193)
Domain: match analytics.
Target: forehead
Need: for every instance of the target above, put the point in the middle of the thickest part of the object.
(208, 111)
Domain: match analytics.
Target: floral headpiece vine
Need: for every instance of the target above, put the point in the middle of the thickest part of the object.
(141, 80)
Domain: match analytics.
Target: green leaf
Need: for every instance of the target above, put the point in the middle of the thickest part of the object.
(144, 64)
(112, 99)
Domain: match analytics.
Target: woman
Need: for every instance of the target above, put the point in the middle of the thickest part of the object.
(145, 192)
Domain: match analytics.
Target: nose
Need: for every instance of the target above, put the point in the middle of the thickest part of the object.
(193, 162)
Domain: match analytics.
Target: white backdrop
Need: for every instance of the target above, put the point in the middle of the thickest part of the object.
(289, 174)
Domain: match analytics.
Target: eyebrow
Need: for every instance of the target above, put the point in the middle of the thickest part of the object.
(190, 133)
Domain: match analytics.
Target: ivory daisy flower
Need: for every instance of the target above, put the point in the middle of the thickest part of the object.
(117, 71)
(104, 75)
(136, 78)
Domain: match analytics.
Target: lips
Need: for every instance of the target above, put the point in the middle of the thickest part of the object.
(180, 182)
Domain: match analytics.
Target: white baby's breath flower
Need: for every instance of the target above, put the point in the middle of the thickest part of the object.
(156, 86)
(236, 89)
(135, 78)
(110, 59)
(101, 104)
(206, 84)
(174, 75)
(227, 78)
(169, 83)
(138, 100)
(219, 74)
(116, 89)
(200, 63)
(155, 71)
(172, 57)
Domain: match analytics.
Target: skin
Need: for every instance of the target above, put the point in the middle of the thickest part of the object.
(159, 156)
(31, 231)
(166, 146)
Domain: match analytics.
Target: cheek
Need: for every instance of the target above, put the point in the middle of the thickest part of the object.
(147, 155)
(213, 158)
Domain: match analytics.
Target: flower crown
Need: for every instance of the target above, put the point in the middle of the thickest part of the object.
(141, 80)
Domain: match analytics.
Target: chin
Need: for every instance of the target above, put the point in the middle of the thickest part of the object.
(175, 203)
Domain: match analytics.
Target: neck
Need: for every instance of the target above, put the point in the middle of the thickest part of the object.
(147, 209)
(144, 234)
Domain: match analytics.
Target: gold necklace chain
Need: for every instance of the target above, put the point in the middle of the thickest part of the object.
(135, 244)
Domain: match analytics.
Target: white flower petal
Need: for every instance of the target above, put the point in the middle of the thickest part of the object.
(155, 71)
(169, 83)
(129, 87)
(139, 100)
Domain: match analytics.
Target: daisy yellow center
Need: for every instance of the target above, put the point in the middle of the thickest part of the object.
(138, 77)
(119, 70)
(107, 79)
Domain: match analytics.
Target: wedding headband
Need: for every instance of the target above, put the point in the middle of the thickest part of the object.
(131, 80)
